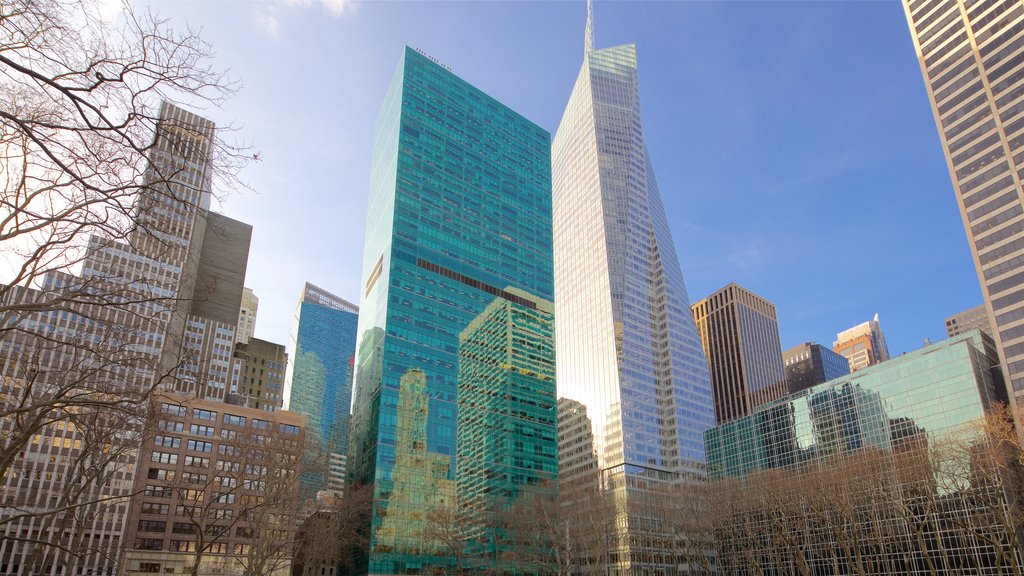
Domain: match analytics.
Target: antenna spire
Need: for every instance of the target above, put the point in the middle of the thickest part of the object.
(588, 37)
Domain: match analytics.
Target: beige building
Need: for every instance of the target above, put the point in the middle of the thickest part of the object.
(247, 316)
(216, 478)
(740, 334)
(973, 65)
(258, 380)
(968, 320)
(863, 345)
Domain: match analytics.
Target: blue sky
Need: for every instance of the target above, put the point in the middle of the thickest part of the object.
(793, 142)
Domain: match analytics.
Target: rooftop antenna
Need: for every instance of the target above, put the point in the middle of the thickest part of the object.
(588, 37)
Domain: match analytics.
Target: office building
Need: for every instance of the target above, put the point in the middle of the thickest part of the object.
(577, 455)
(627, 347)
(258, 375)
(810, 364)
(227, 472)
(863, 345)
(506, 370)
(971, 62)
(323, 345)
(968, 320)
(458, 231)
(119, 348)
(247, 316)
(740, 333)
(886, 445)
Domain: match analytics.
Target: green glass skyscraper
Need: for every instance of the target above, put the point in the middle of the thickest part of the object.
(458, 283)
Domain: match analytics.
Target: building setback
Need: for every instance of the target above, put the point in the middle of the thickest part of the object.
(323, 345)
(459, 226)
(627, 348)
(968, 320)
(971, 62)
(876, 427)
(740, 334)
(863, 345)
(810, 364)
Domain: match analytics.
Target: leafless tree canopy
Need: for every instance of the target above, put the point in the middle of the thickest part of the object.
(931, 506)
(88, 288)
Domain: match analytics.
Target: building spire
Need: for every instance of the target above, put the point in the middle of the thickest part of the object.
(588, 36)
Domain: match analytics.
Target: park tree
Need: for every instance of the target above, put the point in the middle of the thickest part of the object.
(84, 337)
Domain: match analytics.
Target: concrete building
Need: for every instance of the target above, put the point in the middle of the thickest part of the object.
(258, 375)
(863, 345)
(626, 344)
(740, 334)
(972, 67)
(118, 348)
(227, 472)
(968, 320)
(247, 316)
(810, 364)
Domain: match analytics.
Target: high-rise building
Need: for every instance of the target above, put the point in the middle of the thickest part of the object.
(810, 364)
(740, 333)
(627, 347)
(319, 382)
(247, 316)
(968, 320)
(116, 347)
(863, 345)
(458, 234)
(971, 63)
(506, 368)
(878, 427)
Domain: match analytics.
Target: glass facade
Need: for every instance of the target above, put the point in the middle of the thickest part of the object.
(883, 440)
(811, 363)
(629, 357)
(455, 361)
(320, 381)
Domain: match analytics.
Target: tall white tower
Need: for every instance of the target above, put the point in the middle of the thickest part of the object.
(626, 343)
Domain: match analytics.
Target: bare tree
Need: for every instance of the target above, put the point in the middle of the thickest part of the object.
(95, 190)
(244, 503)
(334, 533)
(448, 527)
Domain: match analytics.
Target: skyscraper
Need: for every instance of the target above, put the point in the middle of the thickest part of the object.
(506, 368)
(863, 345)
(116, 346)
(458, 237)
(740, 333)
(971, 62)
(810, 364)
(627, 347)
(319, 380)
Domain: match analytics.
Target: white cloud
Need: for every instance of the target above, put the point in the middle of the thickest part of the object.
(268, 22)
(339, 7)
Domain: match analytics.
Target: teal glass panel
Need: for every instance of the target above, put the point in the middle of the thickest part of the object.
(455, 358)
